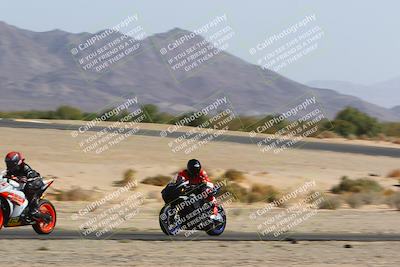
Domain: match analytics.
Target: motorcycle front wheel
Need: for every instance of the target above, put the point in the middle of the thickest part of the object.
(41, 227)
(1, 218)
(218, 228)
(167, 222)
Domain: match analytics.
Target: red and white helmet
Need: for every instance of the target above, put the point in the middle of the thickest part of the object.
(14, 160)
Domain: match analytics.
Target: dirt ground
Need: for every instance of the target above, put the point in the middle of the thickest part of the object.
(57, 153)
(187, 253)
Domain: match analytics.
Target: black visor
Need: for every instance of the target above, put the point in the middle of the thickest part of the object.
(194, 167)
(11, 165)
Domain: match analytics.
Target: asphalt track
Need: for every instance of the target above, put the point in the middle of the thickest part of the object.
(319, 146)
(28, 233)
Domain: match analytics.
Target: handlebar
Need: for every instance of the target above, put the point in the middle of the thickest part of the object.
(185, 187)
(183, 184)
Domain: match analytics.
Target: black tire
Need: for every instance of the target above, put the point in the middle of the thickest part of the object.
(40, 229)
(162, 224)
(1, 218)
(220, 228)
(165, 223)
(5, 211)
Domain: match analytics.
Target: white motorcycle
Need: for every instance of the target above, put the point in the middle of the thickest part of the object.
(14, 207)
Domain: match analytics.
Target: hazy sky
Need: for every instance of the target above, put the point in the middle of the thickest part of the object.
(360, 43)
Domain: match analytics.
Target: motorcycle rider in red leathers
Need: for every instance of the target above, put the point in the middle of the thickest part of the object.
(197, 176)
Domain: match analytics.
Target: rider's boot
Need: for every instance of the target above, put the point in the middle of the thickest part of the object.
(26, 217)
(215, 214)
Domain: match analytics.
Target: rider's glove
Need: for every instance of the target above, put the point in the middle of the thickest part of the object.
(209, 188)
(22, 179)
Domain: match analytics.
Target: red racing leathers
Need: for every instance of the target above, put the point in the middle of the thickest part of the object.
(202, 178)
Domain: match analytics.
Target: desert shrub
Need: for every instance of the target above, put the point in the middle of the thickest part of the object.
(396, 141)
(151, 112)
(371, 198)
(351, 137)
(154, 195)
(128, 177)
(257, 193)
(354, 200)
(330, 202)
(328, 134)
(381, 137)
(252, 197)
(239, 192)
(391, 128)
(356, 122)
(234, 175)
(154, 115)
(344, 128)
(388, 192)
(393, 201)
(394, 174)
(363, 137)
(198, 121)
(260, 192)
(242, 123)
(158, 180)
(76, 194)
(270, 130)
(63, 112)
(355, 186)
(68, 113)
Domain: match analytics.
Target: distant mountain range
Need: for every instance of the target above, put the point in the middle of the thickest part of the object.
(37, 71)
(396, 110)
(386, 93)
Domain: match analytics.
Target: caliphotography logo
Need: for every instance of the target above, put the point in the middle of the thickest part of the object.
(292, 126)
(113, 125)
(208, 121)
(187, 51)
(96, 54)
